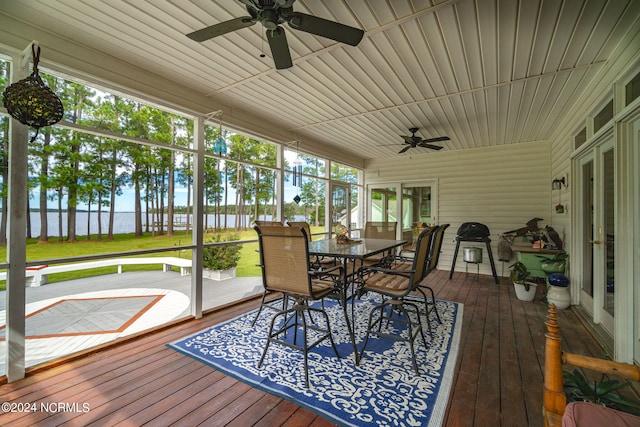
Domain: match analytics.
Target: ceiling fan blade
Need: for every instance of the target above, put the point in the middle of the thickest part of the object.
(221, 28)
(325, 28)
(438, 139)
(279, 48)
(433, 147)
(404, 149)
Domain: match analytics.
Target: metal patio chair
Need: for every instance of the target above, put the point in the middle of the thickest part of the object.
(284, 259)
(395, 285)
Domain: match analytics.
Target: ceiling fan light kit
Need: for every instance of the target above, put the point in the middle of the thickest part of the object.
(272, 13)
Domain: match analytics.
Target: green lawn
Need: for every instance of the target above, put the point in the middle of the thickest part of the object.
(124, 243)
(247, 266)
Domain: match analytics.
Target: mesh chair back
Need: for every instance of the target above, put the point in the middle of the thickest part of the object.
(284, 256)
(421, 256)
(276, 223)
(302, 224)
(380, 230)
(436, 247)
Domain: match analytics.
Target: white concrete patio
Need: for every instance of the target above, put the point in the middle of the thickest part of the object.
(74, 315)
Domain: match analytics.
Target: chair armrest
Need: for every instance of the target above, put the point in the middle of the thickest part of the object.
(329, 273)
(400, 258)
(388, 271)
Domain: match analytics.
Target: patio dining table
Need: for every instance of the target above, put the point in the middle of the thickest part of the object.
(352, 254)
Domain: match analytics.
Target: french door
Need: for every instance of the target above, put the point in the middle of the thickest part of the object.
(595, 237)
(418, 204)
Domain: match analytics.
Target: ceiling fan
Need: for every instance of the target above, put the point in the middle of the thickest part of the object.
(414, 141)
(272, 13)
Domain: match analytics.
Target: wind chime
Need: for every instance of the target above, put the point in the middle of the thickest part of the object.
(297, 172)
(220, 145)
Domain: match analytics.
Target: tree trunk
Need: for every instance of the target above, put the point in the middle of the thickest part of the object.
(100, 214)
(239, 197)
(44, 172)
(138, 206)
(89, 219)
(256, 207)
(112, 196)
(226, 194)
(60, 234)
(28, 219)
(317, 222)
(188, 219)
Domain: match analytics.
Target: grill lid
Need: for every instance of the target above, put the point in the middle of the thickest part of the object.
(473, 231)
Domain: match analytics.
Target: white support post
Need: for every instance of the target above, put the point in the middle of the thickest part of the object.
(198, 223)
(17, 233)
(280, 184)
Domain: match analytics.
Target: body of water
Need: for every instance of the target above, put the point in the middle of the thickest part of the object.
(124, 222)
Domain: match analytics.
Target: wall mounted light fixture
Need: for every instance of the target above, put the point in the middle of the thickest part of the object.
(558, 183)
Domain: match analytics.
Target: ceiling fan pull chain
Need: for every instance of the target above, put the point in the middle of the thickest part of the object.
(262, 55)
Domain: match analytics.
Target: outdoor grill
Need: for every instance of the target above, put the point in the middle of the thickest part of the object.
(474, 232)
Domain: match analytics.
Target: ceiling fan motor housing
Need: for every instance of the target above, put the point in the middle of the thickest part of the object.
(269, 18)
(271, 14)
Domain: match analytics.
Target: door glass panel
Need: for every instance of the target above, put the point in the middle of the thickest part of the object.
(588, 228)
(383, 204)
(417, 209)
(340, 206)
(355, 209)
(609, 229)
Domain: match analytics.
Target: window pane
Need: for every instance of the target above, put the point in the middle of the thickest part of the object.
(580, 138)
(383, 204)
(416, 208)
(632, 90)
(344, 173)
(603, 117)
(310, 165)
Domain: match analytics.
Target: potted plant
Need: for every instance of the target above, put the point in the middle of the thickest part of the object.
(219, 262)
(557, 264)
(525, 290)
(603, 392)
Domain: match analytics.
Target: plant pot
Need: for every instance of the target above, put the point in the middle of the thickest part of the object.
(523, 294)
(559, 295)
(219, 274)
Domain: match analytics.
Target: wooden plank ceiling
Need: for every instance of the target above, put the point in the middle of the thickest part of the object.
(483, 72)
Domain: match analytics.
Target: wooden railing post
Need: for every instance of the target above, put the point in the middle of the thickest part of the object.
(554, 397)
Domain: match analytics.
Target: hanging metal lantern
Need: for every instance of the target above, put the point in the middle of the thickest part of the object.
(31, 101)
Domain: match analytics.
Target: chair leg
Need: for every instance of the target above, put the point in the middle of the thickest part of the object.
(417, 311)
(426, 311)
(295, 318)
(370, 325)
(255, 319)
(305, 348)
(269, 337)
(410, 331)
(433, 300)
(413, 329)
(285, 303)
(330, 335)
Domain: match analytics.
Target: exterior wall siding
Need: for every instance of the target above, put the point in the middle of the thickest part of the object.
(502, 187)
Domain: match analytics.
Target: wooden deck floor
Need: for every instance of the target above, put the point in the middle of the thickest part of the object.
(498, 380)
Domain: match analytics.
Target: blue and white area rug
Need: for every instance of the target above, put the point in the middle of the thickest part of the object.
(382, 391)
